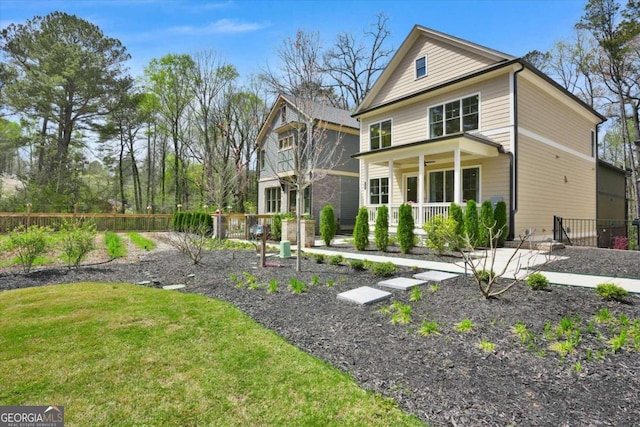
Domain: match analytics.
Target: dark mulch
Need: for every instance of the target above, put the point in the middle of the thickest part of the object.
(444, 379)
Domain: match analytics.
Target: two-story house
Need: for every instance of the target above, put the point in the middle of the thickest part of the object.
(449, 120)
(334, 172)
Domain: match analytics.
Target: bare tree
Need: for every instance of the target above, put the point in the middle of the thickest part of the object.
(301, 81)
(355, 64)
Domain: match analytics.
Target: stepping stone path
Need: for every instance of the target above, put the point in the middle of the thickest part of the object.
(174, 287)
(434, 276)
(364, 295)
(402, 283)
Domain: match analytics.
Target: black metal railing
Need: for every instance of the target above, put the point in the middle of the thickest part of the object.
(600, 233)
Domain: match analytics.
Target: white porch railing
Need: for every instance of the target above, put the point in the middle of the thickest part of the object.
(421, 213)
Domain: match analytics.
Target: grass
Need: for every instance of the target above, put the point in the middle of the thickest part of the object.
(141, 241)
(116, 354)
(115, 247)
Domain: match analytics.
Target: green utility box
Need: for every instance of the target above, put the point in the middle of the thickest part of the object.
(285, 249)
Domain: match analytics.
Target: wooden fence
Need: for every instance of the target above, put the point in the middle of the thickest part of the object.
(235, 225)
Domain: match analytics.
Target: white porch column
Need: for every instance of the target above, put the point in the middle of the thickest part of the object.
(364, 173)
(457, 177)
(420, 190)
(390, 185)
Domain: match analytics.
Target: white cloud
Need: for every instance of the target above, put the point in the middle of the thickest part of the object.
(221, 26)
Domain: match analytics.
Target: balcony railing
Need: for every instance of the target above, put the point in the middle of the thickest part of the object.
(421, 213)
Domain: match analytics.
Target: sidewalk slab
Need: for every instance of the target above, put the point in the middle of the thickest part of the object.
(364, 295)
(402, 283)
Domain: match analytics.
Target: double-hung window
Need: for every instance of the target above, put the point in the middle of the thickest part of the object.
(453, 117)
(379, 191)
(380, 135)
(441, 185)
(421, 67)
(272, 199)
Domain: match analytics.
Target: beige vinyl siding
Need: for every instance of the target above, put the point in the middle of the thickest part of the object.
(543, 191)
(546, 116)
(444, 62)
(410, 123)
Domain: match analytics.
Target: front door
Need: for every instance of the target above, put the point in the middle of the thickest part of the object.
(411, 189)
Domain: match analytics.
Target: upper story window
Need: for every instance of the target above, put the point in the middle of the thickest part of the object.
(452, 117)
(285, 143)
(380, 135)
(421, 67)
(283, 114)
(263, 159)
(593, 143)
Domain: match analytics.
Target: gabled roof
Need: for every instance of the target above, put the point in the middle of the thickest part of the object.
(319, 111)
(415, 33)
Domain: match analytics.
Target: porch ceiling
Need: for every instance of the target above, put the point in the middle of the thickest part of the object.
(436, 150)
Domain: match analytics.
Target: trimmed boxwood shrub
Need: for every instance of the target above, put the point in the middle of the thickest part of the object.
(276, 226)
(361, 230)
(455, 213)
(381, 232)
(328, 225)
(611, 291)
(537, 281)
(471, 222)
(406, 225)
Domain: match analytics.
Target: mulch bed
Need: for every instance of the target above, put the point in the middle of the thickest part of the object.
(444, 379)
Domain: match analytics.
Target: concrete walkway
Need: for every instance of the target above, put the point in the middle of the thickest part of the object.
(525, 259)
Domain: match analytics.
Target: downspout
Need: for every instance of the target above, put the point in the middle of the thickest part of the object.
(513, 169)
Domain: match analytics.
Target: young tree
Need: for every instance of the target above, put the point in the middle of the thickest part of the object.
(301, 80)
(471, 222)
(486, 223)
(455, 213)
(502, 228)
(169, 79)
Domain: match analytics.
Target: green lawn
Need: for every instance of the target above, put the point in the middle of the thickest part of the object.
(129, 355)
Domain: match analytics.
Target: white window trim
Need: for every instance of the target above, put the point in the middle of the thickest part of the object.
(426, 67)
(378, 122)
(404, 183)
(427, 173)
(380, 194)
(289, 146)
(460, 98)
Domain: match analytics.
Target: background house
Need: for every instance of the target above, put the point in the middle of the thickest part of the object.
(449, 120)
(336, 178)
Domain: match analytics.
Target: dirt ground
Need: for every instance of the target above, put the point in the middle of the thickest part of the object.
(444, 378)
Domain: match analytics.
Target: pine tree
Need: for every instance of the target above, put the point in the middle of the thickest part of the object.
(381, 232)
(361, 230)
(406, 227)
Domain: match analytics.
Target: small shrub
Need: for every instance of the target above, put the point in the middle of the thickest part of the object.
(319, 258)
(502, 228)
(331, 283)
(315, 280)
(381, 232)
(537, 281)
(486, 275)
(273, 286)
(356, 264)
(29, 243)
(401, 313)
(429, 328)
(621, 243)
(328, 225)
(464, 326)
(276, 226)
(486, 346)
(406, 226)
(336, 260)
(297, 287)
(383, 269)
(611, 291)
(361, 230)
(471, 222)
(76, 240)
(415, 295)
(439, 233)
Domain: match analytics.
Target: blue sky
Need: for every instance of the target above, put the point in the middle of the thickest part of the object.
(247, 33)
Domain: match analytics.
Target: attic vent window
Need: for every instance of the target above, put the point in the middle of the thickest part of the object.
(283, 113)
(421, 67)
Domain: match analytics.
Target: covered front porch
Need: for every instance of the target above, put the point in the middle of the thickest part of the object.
(431, 174)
